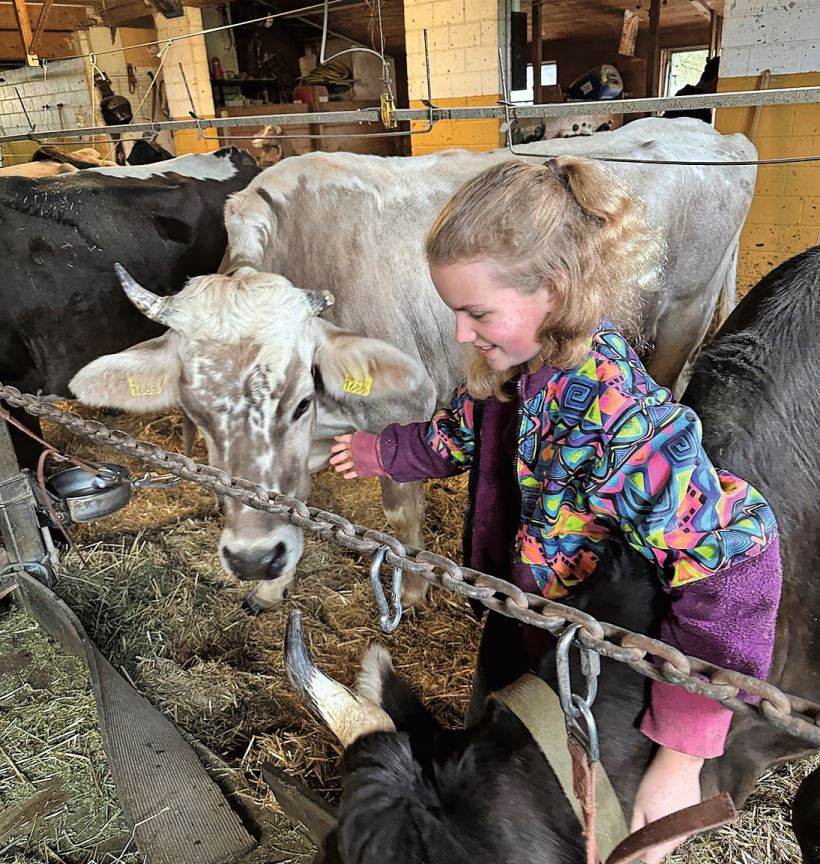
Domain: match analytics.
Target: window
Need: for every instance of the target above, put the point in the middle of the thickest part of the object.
(549, 75)
(683, 66)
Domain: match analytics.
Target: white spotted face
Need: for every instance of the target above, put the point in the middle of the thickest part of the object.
(246, 347)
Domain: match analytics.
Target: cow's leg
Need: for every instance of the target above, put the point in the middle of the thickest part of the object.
(268, 593)
(404, 507)
(806, 818)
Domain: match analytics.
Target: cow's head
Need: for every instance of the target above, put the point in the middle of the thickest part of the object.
(243, 357)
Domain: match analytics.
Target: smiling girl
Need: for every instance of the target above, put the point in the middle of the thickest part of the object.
(573, 447)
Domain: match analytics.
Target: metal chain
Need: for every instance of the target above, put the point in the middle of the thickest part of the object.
(792, 714)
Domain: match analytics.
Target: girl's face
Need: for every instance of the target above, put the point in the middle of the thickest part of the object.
(499, 321)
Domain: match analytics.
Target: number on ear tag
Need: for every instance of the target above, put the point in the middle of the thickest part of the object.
(140, 385)
(358, 386)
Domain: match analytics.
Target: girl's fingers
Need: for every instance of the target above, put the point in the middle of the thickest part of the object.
(351, 475)
(340, 455)
(343, 439)
(344, 466)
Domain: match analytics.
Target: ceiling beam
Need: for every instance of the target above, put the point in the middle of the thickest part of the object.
(61, 18)
(702, 7)
(24, 30)
(38, 30)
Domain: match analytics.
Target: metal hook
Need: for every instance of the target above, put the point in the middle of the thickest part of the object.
(387, 621)
(576, 707)
(192, 112)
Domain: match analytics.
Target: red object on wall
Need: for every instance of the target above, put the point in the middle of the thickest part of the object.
(216, 69)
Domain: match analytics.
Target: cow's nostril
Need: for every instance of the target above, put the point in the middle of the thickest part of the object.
(279, 551)
(257, 564)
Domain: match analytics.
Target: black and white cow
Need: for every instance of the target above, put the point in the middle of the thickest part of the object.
(416, 792)
(61, 304)
(267, 384)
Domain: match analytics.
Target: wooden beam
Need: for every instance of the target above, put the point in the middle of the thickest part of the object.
(702, 8)
(23, 28)
(537, 52)
(38, 30)
(60, 18)
(52, 45)
(125, 13)
(653, 56)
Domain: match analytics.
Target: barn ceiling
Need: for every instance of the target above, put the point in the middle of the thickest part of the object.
(561, 19)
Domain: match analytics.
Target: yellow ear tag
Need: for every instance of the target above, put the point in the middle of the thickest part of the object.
(140, 385)
(358, 386)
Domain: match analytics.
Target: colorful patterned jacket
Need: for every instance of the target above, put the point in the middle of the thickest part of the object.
(603, 449)
(603, 453)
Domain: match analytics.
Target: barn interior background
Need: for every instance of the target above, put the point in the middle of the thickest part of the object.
(146, 583)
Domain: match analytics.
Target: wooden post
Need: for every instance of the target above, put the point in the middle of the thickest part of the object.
(653, 54)
(19, 525)
(537, 93)
(715, 33)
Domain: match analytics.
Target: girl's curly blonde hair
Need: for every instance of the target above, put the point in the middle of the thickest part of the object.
(568, 223)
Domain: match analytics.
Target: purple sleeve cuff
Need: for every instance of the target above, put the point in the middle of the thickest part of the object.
(406, 455)
(685, 721)
(727, 619)
(366, 460)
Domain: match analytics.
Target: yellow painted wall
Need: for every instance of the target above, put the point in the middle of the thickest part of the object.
(785, 215)
(463, 41)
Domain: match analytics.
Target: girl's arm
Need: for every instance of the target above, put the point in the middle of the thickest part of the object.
(441, 447)
(714, 539)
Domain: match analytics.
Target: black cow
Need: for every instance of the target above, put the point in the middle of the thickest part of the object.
(485, 794)
(61, 304)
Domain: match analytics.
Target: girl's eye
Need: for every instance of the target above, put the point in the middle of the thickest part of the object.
(301, 408)
(477, 316)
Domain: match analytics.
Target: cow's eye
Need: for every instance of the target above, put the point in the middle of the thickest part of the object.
(301, 408)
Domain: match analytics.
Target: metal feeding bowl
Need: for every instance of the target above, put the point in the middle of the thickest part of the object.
(84, 497)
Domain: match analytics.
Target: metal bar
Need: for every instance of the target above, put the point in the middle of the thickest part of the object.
(740, 99)
(41, 23)
(19, 525)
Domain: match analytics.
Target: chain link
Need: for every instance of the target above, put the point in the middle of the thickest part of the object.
(792, 714)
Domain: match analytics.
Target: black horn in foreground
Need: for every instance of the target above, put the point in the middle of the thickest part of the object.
(346, 714)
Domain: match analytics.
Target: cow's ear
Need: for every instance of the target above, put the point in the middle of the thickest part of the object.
(354, 366)
(142, 378)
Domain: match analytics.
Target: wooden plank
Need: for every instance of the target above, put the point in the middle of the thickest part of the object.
(52, 45)
(130, 12)
(60, 18)
(23, 25)
(41, 22)
(299, 803)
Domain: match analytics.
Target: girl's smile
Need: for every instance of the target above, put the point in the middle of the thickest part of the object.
(500, 321)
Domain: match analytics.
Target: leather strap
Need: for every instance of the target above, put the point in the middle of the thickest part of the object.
(709, 814)
(537, 706)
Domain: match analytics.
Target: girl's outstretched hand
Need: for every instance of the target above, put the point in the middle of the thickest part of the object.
(671, 782)
(342, 457)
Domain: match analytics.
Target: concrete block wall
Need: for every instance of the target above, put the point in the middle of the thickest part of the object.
(191, 53)
(785, 215)
(41, 90)
(463, 41)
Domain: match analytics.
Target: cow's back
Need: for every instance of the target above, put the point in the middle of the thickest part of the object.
(757, 391)
(60, 237)
(356, 225)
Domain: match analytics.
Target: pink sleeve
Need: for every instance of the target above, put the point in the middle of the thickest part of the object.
(366, 458)
(685, 721)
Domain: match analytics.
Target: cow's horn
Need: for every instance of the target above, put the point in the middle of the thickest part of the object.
(151, 305)
(319, 301)
(347, 715)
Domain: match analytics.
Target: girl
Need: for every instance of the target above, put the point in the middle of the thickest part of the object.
(573, 446)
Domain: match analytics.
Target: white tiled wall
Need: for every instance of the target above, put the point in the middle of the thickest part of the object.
(40, 91)
(783, 37)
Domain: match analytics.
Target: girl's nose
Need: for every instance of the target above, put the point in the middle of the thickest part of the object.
(464, 329)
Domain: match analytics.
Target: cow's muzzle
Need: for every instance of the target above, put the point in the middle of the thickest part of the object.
(249, 566)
